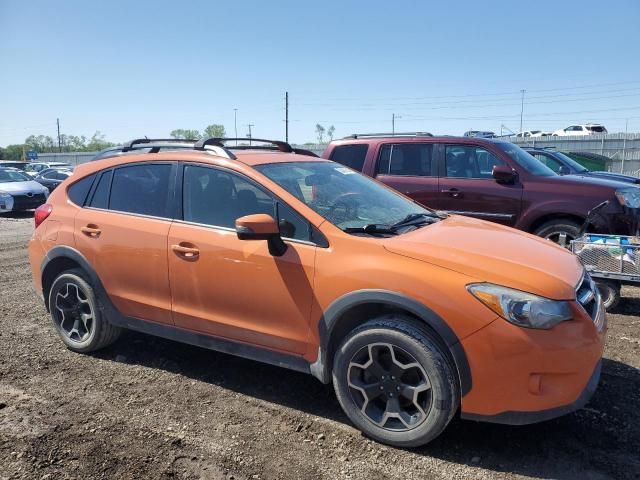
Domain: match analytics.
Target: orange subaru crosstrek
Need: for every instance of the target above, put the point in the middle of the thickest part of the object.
(281, 257)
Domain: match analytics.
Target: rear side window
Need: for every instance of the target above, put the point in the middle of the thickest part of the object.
(141, 189)
(351, 156)
(100, 198)
(78, 191)
(406, 159)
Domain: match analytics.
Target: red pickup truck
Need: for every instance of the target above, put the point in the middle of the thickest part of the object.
(490, 179)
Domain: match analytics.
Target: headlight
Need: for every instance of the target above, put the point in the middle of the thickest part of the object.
(629, 197)
(521, 308)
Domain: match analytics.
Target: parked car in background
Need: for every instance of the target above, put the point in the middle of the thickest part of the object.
(533, 133)
(590, 160)
(299, 262)
(34, 168)
(562, 164)
(52, 177)
(479, 134)
(490, 179)
(18, 191)
(14, 164)
(580, 130)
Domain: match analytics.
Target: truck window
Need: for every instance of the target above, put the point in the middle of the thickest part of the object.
(406, 159)
(351, 156)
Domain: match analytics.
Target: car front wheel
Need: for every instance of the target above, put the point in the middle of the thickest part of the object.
(395, 382)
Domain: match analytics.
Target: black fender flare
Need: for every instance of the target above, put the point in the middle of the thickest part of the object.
(331, 317)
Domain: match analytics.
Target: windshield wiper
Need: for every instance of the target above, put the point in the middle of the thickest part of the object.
(372, 228)
(415, 219)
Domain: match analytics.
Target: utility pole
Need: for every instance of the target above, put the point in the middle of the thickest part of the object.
(235, 125)
(286, 117)
(521, 108)
(393, 123)
(624, 144)
(250, 125)
(59, 143)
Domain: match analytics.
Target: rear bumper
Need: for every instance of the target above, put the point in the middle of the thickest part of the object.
(525, 418)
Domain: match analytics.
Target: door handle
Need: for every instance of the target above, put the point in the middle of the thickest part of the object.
(454, 192)
(184, 251)
(91, 231)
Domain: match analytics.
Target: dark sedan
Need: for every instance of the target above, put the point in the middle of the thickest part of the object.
(52, 177)
(565, 165)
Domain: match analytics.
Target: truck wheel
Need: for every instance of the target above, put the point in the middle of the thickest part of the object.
(395, 382)
(610, 292)
(76, 314)
(560, 231)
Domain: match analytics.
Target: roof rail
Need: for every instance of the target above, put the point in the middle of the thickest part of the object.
(219, 141)
(217, 147)
(399, 134)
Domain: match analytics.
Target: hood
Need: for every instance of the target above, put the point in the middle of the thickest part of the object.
(489, 252)
(19, 188)
(590, 180)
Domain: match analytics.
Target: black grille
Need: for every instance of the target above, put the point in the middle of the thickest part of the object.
(24, 202)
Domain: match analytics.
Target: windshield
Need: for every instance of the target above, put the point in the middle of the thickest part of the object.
(571, 162)
(13, 176)
(343, 196)
(525, 160)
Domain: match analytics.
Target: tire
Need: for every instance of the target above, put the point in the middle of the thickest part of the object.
(427, 406)
(610, 292)
(76, 314)
(554, 229)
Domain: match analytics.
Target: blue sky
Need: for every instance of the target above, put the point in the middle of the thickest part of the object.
(140, 68)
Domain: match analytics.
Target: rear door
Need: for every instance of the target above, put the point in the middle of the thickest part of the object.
(467, 186)
(122, 231)
(409, 168)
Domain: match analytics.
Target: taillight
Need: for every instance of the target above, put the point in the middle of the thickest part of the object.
(42, 212)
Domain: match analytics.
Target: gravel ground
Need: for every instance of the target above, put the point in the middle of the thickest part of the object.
(150, 408)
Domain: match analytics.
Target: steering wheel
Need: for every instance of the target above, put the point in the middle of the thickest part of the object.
(349, 201)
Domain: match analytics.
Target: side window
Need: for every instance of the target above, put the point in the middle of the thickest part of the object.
(100, 198)
(352, 156)
(216, 198)
(550, 162)
(142, 189)
(406, 159)
(464, 161)
(78, 191)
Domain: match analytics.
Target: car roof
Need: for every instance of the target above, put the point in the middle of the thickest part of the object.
(417, 139)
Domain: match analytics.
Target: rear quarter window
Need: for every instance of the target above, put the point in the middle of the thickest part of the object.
(78, 191)
(351, 156)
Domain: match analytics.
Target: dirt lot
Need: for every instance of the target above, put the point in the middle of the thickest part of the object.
(150, 408)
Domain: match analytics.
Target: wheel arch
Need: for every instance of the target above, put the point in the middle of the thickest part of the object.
(541, 220)
(356, 308)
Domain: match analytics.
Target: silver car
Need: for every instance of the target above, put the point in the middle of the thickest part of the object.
(18, 191)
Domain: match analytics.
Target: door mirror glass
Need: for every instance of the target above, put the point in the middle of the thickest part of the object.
(504, 174)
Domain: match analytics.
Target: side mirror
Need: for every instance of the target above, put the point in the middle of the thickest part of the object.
(564, 170)
(261, 227)
(504, 174)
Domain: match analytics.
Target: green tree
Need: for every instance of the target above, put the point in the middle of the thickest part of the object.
(98, 142)
(330, 132)
(186, 134)
(214, 130)
(41, 143)
(14, 152)
(320, 132)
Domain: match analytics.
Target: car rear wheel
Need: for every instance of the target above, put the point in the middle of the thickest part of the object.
(560, 231)
(395, 382)
(76, 315)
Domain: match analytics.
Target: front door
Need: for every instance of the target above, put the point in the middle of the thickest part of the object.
(468, 187)
(231, 288)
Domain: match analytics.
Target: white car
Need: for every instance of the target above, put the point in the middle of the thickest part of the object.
(533, 133)
(33, 168)
(580, 130)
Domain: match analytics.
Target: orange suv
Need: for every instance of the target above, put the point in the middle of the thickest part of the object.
(281, 257)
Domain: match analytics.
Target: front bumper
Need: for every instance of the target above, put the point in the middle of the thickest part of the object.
(6, 204)
(523, 375)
